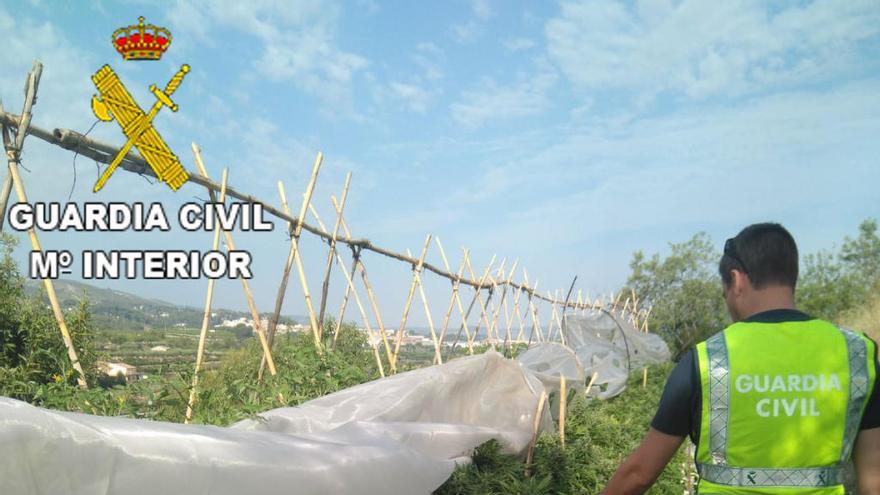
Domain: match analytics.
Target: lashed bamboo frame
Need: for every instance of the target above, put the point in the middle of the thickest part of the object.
(134, 163)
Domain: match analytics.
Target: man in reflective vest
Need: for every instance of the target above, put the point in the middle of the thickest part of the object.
(777, 403)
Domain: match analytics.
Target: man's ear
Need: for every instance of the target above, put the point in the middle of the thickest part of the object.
(739, 281)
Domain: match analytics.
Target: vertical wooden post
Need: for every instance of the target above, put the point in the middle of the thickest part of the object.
(350, 287)
(563, 398)
(590, 384)
(530, 308)
(297, 258)
(206, 317)
(345, 297)
(412, 290)
(230, 246)
(452, 300)
(373, 340)
(13, 156)
(536, 425)
(13, 146)
(438, 359)
(491, 308)
(325, 285)
(466, 315)
(506, 283)
(519, 317)
(359, 265)
(478, 297)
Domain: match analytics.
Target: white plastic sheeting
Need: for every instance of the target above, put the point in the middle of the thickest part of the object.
(402, 434)
(608, 345)
(548, 360)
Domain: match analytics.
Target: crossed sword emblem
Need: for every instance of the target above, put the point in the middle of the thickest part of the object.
(116, 103)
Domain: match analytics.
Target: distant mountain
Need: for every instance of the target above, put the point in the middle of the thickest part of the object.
(118, 310)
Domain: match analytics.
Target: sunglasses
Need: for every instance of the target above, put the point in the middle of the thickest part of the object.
(730, 250)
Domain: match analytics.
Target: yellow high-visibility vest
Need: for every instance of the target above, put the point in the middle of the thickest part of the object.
(781, 407)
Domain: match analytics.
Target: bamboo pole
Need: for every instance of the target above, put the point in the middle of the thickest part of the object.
(47, 283)
(295, 228)
(359, 265)
(412, 289)
(438, 359)
(264, 342)
(554, 315)
(491, 307)
(484, 317)
(508, 322)
(345, 297)
(206, 318)
(616, 301)
(454, 297)
(498, 309)
(325, 286)
(282, 288)
(366, 320)
(563, 398)
(590, 384)
(13, 156)
(32, 83)
(531, 310)
(297, 258)
(536, 425)
(519, 317)
(350, 286)
(467, 315)
(355, 256)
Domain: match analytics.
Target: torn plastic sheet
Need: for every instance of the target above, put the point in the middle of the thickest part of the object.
(401, 434)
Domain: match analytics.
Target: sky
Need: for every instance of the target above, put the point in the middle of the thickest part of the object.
(565, 135)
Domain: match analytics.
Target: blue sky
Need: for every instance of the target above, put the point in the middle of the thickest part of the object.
(566, 134)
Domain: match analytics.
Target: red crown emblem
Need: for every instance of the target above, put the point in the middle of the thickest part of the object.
(141, 42)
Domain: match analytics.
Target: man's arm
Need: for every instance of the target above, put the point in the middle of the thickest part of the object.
(867, 461)
(642, 468)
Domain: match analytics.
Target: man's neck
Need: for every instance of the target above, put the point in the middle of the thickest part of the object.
(768, 298)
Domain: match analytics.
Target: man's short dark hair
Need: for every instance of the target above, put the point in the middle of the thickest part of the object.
(765, 252)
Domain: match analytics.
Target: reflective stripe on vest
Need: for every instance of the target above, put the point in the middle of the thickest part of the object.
(719, 401)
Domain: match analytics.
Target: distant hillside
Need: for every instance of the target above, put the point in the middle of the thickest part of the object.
(118, 310)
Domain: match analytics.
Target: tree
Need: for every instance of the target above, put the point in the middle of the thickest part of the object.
(833, 283)
(683, 291)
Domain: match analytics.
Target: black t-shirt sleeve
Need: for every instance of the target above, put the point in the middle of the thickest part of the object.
(677, 404)
(871, 418)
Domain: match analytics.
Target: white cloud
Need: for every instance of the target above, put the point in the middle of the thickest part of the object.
(466, 32)
(529, 96)
(298, 40)
(429, 56)
(773, 157)
(519, 44)
(700, 49)
(481, 9)
(415, 97)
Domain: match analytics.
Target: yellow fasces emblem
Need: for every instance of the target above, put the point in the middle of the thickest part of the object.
(115, 102)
